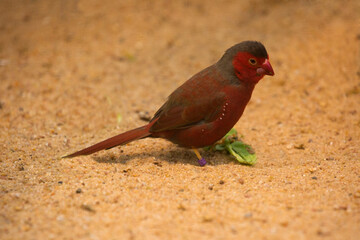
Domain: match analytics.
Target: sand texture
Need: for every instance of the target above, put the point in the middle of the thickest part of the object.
(73, 73)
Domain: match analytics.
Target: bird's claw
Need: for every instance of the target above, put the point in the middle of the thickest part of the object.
(202, 162)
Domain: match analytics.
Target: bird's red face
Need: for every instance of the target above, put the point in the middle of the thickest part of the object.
(251, 68)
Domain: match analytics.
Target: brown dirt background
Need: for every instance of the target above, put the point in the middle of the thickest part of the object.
(68, 69)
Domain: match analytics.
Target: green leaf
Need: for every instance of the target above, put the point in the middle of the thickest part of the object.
(220, 147)
(231, 133)
(242, 152)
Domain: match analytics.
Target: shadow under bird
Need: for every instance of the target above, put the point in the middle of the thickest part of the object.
(203, 109)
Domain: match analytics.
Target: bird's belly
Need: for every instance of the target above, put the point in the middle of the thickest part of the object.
(201, 135)
(206, 134)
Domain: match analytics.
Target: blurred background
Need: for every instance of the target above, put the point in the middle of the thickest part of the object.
(108, 49)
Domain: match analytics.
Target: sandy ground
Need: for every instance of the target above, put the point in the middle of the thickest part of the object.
(76, 72)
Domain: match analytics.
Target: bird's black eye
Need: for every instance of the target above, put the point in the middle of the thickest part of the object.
(252, 61)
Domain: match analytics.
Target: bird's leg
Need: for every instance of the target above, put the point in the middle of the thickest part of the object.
(202, 161)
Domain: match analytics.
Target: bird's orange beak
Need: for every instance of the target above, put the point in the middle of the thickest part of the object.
(265, 69)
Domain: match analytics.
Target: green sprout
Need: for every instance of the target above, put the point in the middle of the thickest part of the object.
(241, 151)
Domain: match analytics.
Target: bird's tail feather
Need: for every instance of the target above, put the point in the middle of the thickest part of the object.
(117, 140)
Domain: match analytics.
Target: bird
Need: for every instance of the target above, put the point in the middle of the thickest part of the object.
(204, 108)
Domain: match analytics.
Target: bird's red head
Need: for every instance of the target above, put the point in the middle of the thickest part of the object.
(248, 60)
(250, 67)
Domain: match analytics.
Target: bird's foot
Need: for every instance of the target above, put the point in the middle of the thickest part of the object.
(202, 162)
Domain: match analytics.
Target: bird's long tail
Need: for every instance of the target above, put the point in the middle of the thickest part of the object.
(117, 140)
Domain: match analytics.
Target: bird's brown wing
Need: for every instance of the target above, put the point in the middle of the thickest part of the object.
(177, 117)
(199, 100)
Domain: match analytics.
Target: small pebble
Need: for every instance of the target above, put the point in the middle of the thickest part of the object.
(158, 164)
(211, 186)
(248, 215)
(87, 208)
(315, 178)
(144, 115)
(221, 182)
(208, 219)
(60, 218)
(66, 142)
(247, 195)
(78, 190)
(241, 181)
(323, 232)
(300, 146)
(181, 207)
